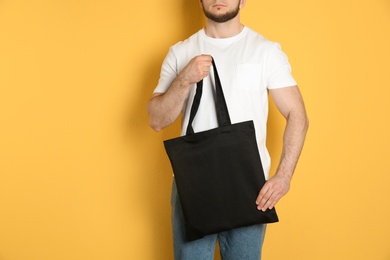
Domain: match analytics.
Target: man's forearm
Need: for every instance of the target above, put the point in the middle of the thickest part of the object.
(166, 107)
(293, 140)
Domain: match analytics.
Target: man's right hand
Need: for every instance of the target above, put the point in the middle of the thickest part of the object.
(197, 69)
(164, 108)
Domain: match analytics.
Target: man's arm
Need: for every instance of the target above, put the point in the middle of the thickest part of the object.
(290, 104)
(164, 108)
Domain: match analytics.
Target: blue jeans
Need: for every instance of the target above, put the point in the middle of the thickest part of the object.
(237, 244)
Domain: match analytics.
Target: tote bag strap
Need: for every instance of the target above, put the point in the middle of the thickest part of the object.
(220, 103)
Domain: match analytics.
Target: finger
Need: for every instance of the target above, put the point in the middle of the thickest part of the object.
(207, 57)
(207, 64)
(203, 70)
(262, 192)
(273, 204)
(266, 202)
(206, 67)
(264, 199)
(271, 201)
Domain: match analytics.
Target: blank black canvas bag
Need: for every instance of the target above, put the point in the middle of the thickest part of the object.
(218, 172)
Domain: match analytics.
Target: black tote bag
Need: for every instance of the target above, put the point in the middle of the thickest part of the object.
(218, 172)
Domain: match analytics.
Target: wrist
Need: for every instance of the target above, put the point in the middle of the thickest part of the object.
(287, 175)
(183, 81)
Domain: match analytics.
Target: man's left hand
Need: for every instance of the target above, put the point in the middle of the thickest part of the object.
(273, 190)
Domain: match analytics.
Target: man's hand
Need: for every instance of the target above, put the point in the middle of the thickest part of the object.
(273, 190)
(165, 108)
(197, 69)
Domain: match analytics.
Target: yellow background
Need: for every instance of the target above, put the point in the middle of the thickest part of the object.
(82, 176)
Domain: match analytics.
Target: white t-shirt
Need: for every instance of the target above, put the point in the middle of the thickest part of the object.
(248, 65)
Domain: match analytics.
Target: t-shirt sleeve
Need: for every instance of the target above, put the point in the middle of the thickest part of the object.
(279, 69)
(168, 72)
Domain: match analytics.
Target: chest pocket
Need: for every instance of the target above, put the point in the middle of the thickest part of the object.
(249, 76)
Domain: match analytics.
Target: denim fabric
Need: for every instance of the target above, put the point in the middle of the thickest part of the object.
(240, 243)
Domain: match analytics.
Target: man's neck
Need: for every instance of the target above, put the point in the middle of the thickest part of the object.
(223, 30)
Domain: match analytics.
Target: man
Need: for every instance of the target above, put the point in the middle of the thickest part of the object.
(249, 66)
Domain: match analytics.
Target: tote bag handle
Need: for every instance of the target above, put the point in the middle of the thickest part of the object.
(220, 103)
